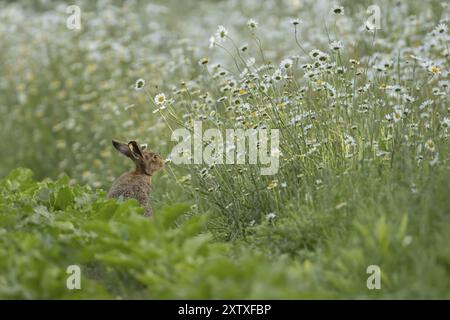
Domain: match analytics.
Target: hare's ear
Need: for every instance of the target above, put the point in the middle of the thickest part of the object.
(135, 149)
(123, 148)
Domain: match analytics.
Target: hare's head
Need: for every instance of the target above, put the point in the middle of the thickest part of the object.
(147, 162)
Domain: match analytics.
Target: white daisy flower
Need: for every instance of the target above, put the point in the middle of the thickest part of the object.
(323, 57)
(336, 45)
(296, 21)
(429, 144)
(338, 10)
(441, 28)
(277, 76)
(446, 122)
(160, 99)
(434, 69)
(425, 104)
(315, 53)
(252, 24)
(397, 116)
(286, 63)
(212, 42)
(250, 61)
(444, 84)
(271, 216)
(203, 61)
(221, 33)
(140, 83)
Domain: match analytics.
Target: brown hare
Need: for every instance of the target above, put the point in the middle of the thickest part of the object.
(136, 184)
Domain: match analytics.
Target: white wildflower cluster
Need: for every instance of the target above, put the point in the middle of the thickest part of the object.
(340, 96)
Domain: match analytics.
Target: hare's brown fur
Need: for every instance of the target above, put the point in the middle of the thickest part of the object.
(136, 184)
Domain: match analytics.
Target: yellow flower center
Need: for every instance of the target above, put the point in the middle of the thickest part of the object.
(435, 69)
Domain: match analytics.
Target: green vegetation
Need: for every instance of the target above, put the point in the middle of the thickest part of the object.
(364, 176)
(47, 226)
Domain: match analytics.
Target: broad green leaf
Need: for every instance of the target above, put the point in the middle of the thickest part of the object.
(169, 215)
(64, 198)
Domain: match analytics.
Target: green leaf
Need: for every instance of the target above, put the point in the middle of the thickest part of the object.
(169, 215)
(127, 208)
(19, 179)
(64, 225)
(64, 198)
(43, 211)
(193, 245)
(106, 210)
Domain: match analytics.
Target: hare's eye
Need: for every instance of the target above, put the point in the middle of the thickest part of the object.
(155, 157)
